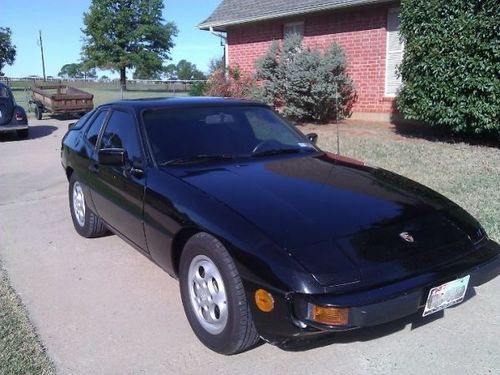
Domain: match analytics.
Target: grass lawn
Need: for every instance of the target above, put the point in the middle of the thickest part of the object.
(469, 175)
(101, 95)
(20, 349)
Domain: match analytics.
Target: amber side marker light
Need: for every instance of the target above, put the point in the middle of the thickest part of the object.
(332, 316)
(264, 300)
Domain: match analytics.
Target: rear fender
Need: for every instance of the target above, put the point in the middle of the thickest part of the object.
(19, 110)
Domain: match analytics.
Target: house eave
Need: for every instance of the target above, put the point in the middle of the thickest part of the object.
(223, 24)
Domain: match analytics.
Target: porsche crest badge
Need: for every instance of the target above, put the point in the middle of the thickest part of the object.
(407, 237)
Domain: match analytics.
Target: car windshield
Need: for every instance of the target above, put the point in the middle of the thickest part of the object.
(186, 135)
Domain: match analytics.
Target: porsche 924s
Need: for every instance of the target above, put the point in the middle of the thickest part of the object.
(269, 236)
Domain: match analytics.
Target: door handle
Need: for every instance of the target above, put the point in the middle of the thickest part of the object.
(132, 171)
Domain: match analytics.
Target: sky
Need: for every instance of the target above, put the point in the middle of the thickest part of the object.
(61, 21)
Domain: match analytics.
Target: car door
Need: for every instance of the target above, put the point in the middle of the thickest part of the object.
(84, 150)
(118, 190)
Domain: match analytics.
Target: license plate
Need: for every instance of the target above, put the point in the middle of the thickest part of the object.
(446, 295)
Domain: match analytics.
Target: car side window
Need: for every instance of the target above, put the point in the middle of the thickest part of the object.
(121, 132)
(95, 127)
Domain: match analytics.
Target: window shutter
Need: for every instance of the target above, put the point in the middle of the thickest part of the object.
(394, 54)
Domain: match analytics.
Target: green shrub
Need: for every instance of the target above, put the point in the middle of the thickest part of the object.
(198, 89)
(304, 83)
(451, 64)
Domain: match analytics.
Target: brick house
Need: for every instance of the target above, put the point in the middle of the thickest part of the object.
(366, 29)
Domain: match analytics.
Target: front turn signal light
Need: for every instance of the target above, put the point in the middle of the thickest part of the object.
(264, 300)
(332, 316)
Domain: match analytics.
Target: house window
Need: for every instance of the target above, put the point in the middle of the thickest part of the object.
(293, 28)
(394, 54)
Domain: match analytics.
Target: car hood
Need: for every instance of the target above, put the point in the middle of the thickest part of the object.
(333, 215)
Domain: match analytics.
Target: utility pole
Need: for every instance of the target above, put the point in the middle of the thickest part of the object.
(41, 51)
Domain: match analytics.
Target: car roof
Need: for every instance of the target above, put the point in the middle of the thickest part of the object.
(176, 101)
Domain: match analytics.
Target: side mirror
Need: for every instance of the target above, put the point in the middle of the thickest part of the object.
(71, 125)
(312, 137)
(112, 156)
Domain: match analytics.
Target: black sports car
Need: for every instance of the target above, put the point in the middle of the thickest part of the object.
(12, 116)
(269, 236)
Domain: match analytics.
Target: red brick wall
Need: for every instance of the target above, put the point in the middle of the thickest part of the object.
(361, 32)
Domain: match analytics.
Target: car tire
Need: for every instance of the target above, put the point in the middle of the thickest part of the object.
(23, 133)
(214, 298)
(86, 223)
(38, 112)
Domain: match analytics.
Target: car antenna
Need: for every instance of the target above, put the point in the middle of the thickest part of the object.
(337, 117)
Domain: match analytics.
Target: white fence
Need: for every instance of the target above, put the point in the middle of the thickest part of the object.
(133, 84)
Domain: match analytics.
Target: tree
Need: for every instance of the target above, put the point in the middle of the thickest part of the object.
(184, 70)
(77, 70)
(88, 70)
(7, 50)
(121, 34)
(70, 71)
(170, 71)
(216, 63)
(187, 70)
(144, 72)
(450, 68)
(305, 83)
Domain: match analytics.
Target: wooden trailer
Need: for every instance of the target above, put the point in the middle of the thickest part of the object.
(60, 99)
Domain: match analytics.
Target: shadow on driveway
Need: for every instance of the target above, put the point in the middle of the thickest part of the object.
(35, 132)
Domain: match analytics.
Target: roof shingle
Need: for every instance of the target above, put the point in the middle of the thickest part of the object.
(232, 12)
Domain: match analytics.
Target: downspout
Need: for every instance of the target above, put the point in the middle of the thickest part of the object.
(223, 41)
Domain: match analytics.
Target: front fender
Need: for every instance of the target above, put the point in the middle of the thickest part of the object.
(257, 258)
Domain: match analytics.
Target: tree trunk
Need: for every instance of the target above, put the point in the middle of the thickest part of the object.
(123, 79)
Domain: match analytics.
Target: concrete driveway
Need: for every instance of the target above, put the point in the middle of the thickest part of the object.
(100, 307)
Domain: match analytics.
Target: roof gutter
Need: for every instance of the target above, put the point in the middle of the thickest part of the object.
(219, 35)
(220, 25)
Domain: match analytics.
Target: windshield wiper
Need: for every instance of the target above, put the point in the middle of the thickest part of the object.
(277, 151)
(196, 158)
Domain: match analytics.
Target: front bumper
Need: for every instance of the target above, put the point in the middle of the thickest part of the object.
(398, 300)
(375, 306)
